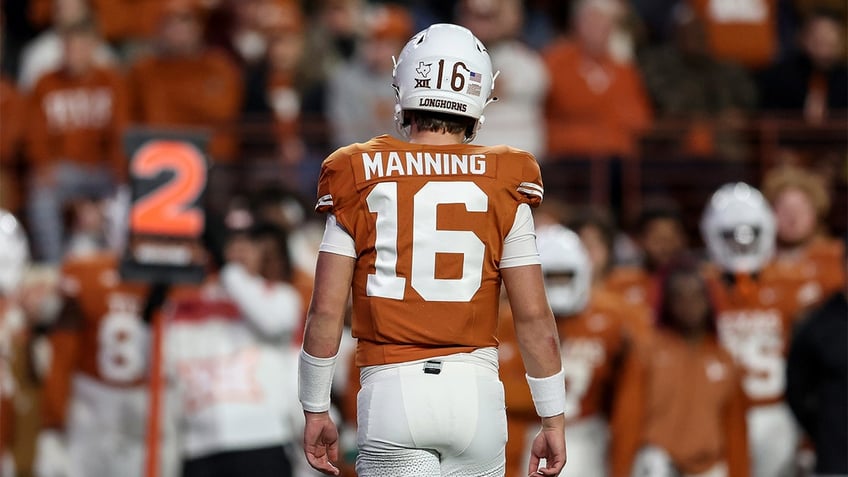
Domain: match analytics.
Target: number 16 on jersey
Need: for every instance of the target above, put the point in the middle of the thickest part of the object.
(168, 176)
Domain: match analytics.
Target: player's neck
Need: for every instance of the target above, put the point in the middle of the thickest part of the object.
(435, 138)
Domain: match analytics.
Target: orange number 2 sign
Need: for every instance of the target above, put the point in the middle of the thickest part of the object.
(168, 209)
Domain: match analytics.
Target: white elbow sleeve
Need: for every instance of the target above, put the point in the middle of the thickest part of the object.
(548, 394)
(314, 380)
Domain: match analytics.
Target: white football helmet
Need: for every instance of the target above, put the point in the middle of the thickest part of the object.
(444, 69)
(14, 252)
(738, 227)
(567, 269)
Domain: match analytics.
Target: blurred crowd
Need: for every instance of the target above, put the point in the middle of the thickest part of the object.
(276, 85)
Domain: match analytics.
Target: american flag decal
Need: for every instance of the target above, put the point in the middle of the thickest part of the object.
(475, 77)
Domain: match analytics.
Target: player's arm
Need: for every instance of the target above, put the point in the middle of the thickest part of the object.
(538, 343)
(324, 325)
(538, 340)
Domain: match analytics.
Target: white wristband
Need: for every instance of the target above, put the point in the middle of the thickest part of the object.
(314, 380)
(548, 394)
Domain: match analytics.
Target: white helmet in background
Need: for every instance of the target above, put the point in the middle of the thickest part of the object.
(14, 252)
(567, 269)
(738, 227)
(444, 69)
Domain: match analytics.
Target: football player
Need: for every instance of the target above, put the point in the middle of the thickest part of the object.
(594, 343)
(421, 233)
(754, 321)
(95, 393)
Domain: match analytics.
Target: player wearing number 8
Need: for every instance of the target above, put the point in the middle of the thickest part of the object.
(421, 234)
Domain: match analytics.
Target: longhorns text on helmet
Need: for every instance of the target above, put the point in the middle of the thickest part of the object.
(444, 69)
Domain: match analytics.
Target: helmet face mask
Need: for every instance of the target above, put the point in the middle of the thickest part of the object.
(738, 227)
(443, 69)
(567, 269)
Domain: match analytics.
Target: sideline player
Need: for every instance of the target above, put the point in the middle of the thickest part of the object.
(422, 233)
(754, 319)
(594, 342)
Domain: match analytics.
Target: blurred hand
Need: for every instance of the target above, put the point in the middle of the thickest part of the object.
(321, 442)
(549, 444)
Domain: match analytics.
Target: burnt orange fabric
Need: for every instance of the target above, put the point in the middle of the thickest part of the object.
(596, 106)
(684, 398)
(639, 292)
(806, 277)
(742, 31)
(594, 344)
(755, 324)
(201, 92)
(391, 330)
(12, 126)
(78, 119)
(81, 341)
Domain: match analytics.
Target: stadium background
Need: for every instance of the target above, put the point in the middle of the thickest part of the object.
(691, 94)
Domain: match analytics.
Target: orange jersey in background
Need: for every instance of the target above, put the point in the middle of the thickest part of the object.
(754, 324)
(741, 31)
(451, 207)
(81, 120)
(13, 112)
(635, 286)
(685, 399)
(99, 334)
(203, 91)
(809, 276)
(594, 344)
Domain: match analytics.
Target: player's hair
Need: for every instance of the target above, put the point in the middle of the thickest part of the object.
(658, 209)
(439, 122)
(779, 179)
(685, 266)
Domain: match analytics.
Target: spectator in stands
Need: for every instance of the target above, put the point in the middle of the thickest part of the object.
(817, 381)
(76, 119)
(807, 258)
(687, 83)
(516, 118)
(44, 53)
(284, 86)
(661, 237)
(332, 38)
(12, 110)
(184, 84)
(741, 31)
(813, 82)
(360, 99)
(595, 106)
(653, 406)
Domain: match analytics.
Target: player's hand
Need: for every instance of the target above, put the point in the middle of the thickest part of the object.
(549, 444)
(321, 442)
(51, 455)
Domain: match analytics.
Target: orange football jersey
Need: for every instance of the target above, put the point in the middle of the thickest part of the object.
(808, 277)
(635, 285)
(754, 324)
(99, 334)
(428, 224)
(741, 31)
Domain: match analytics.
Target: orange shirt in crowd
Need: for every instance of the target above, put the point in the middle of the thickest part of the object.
(686, 399)
(636, 287)
(810, 275)
(598, 106)
(99, 333)
(12, 124)
(203, 91)
(78, 119)
(594, 344)
(741, 31)
(755, 323)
